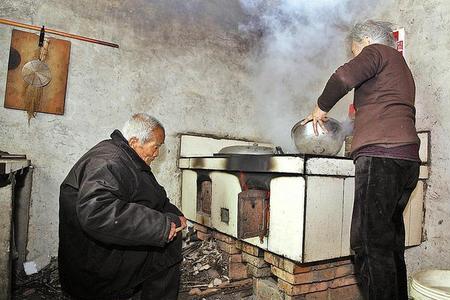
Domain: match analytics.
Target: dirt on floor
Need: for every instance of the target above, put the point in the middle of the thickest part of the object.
(41, 285)
(204, 276)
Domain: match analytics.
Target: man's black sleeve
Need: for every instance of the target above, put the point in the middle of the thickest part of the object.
(104, 215)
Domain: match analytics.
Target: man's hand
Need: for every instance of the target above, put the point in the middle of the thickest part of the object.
(183, 221)
(317, 116)
(173, 231)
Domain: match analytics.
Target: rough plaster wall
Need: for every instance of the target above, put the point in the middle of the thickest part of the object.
(181, 63)
(428, 52)
(187, 63)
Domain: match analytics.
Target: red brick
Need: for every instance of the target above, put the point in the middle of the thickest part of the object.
(257, 261)
(201, 228)
(322, 266)
(302, 278)
(288, 277)
(250, 249)
(228, 248)
(285, 264)
(344, 270)
(298, 289)
(258, 272)
(344, 281)
(203, 236)
(343, 262)
(350, 292)
(313, 276)
(328, 264)
(235, 258)
(237, 271)
(223, 237)
(323, 295)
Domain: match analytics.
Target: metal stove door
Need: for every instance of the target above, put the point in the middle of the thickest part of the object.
(252, 214)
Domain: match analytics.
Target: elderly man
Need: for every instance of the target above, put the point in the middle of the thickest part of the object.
(117, 228)
(385, 149)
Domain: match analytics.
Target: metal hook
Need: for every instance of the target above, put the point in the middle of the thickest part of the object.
(41, 37)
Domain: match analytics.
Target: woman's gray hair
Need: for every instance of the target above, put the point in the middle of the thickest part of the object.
(140, 126)
(379, 32)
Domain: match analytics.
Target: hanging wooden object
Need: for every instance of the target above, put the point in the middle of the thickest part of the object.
(58, 32)
(37, 78)
(37, 73)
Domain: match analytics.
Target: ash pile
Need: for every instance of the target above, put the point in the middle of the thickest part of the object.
(41, 285)
(204, 272)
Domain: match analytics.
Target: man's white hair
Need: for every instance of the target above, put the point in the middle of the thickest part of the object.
(141, 126)
(379, 32)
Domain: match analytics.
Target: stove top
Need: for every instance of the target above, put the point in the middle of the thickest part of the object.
(272, 163)
(256, 156)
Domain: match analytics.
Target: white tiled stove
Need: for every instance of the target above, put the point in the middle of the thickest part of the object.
(310, 199)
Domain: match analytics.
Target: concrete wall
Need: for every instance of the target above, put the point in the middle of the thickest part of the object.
(181, 62)
(428, 52)
(200, 66)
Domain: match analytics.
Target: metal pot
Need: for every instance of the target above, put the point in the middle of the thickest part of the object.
(326, 143)
(248, 149)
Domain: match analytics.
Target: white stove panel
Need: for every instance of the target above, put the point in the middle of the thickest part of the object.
(225, 190)
(287, 203)
(323, 218)
(330, 166)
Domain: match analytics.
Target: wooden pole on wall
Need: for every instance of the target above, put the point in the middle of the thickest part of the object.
(57, 32)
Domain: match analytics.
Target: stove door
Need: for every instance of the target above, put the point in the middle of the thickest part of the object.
(252, 214)
(204, 194)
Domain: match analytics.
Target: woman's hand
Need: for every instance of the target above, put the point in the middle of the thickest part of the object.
(317, 116)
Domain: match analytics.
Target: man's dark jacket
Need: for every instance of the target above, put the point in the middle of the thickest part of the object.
(114, 222)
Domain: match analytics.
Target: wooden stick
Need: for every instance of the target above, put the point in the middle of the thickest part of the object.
(243, 282)
(231, 286)
(57, 32)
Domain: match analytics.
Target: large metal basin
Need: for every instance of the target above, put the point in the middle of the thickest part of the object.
(326, 143)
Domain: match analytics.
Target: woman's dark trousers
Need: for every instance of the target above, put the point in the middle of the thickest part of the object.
(382, 190)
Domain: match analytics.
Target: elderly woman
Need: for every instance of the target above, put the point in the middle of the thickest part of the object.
(385, 150)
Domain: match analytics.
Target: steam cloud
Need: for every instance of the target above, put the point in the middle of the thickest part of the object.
(302, 43)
